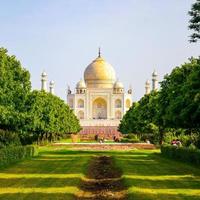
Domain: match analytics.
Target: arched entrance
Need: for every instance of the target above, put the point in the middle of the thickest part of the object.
(81, 114)
(99, 109)
(118, 115)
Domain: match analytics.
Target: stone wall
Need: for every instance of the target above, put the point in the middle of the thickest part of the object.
(106, 132)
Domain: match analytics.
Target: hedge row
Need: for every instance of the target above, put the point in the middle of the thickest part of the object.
(181, 153)
(12, 154)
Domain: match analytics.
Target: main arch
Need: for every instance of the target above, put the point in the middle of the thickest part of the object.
(99, 108)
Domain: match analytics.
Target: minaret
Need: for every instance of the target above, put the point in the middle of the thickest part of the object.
(44, 81)
(147, 87)
(51, 87)
(154, 80)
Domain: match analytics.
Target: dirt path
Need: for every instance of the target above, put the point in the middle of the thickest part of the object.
(103, 181)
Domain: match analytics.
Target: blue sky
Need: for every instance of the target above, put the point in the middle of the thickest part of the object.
(63, 36)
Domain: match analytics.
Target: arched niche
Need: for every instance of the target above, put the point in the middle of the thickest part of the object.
(99, 108)
(118, 103)
(81, 114)
(118, 114)
(80, 103)
(71, 103)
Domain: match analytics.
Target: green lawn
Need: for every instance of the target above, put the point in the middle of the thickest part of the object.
(150, 176)
(56, 174)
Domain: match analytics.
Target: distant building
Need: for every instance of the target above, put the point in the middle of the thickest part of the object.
(99, 99)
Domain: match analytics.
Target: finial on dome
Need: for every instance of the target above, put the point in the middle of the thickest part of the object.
(130, 91)
(99, 52)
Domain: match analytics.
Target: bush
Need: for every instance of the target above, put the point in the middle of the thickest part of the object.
(186, 140)
(130, 138)
(179, 134)
(168, 137)
(189, 155)
(9, 138)
(12, 154)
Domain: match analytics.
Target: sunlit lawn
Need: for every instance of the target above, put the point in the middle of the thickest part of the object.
(149, 176)
(56, 174)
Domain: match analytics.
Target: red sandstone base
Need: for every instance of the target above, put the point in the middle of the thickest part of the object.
(106, 132)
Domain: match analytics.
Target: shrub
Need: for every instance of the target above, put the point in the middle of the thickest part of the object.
(9, 138)
(186, 140)
(168, 137)
(12, 154)
(184, 154)
(153, 138)
(130, 138)
(192, 146)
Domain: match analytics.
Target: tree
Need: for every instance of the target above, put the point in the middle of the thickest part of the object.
(49, 117)
(129, 122)
(15, 85)
(140, 118)
(179, 99)
(194, 23)
(30, 115)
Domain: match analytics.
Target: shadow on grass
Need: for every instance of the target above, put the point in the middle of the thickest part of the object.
(38, 182)
(179, 183)
(163, 196)
(141, 169)
(37, 196)
(156, 177)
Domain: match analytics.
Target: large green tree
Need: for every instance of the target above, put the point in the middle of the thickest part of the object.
(49, 117)
(129, 122)
(35, 115)
(175, 107)
(15, 86)
(179, 99)
(194, 23)
(140, 118)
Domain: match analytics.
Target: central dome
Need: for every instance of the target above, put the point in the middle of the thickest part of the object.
(99, 74)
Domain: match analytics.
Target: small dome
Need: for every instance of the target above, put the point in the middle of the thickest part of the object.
(52, 83)
(44, 74)
(118, 84)
(147, 82)
(81, 84)
(154, 73)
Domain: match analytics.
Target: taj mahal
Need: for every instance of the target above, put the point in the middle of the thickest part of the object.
(100, 100)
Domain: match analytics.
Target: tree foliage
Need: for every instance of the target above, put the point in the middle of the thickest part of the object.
(176, 106)
(140, 117)
(15, 86)
(179, 99)
(49, 117)
(194, 23)
(32, 115)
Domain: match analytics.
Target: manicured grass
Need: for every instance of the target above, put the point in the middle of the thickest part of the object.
(51, 175)
(56, 174)
(149, 176)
